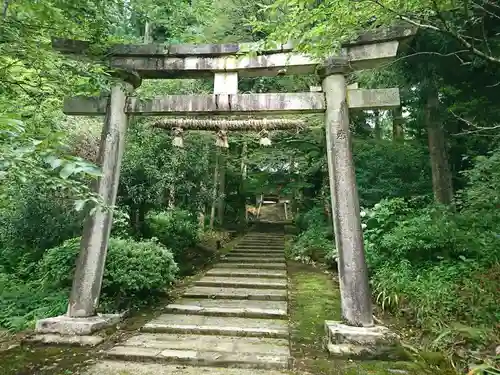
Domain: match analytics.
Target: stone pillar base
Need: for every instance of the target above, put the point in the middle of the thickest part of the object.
(73, 331)
(375, 342)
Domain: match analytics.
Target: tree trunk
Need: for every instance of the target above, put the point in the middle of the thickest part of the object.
(377, 131)
(244, 172)
(441, 174)
(201, 218)
(222, 187)
(397, 124)
(147, 32)
(171, 196)
(293, 200)
(214, 191)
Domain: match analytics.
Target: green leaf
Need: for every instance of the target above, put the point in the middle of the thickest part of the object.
(67, 170)
(80, 204)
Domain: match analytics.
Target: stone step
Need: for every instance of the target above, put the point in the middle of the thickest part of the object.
(116, 367)
(234, 308)
(266, 250)
(248, 272)
(270, 259)
(262, 241)
(278, 253)
(277, 249)
(241, 254)
(213, 325)
(236, 293)
(265, 235)
(201, 358)
(260, 265)
(241, 282)
(260, 246)
(212, 343)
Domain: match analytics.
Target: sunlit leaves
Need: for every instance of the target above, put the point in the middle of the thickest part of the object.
(318, 27)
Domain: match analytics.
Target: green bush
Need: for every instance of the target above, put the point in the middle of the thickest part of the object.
(134, 270)
(315, 216)
(395, 232)
(176, 229)
(437, 294)
(438, 265)
(36, 220)
(313, 245)
(21, 303)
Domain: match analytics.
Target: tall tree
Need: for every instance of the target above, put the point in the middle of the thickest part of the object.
(441, 174)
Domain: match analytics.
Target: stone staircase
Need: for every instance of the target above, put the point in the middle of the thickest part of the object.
(231, 321)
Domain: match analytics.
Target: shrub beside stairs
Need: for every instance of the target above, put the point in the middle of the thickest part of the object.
(231, 321)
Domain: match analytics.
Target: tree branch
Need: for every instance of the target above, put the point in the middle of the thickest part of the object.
(477, 128)
(427, 53)
(448, 32)
(477, 6)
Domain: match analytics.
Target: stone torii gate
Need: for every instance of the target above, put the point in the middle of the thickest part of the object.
(226, 63)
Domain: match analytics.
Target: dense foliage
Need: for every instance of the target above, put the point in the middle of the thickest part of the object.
(437, 266)
(135, 273)
(428, 174)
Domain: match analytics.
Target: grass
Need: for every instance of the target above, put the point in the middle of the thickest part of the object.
(314, 298)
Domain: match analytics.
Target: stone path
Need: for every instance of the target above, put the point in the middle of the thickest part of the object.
(231, 321)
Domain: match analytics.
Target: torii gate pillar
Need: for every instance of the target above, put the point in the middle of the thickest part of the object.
(81, 318)
(355, 335)
(353, 274)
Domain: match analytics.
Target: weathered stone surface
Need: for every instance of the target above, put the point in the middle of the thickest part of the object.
(226, 307)
(64, 325)
(236, 293)
(353, 274)
(268, 258)
(367, 342)
(203, 358)
(365, 56)
(249, 272)
(343, 334)
(397, 31)
(258, 254)
(260, 265)
(85, 106)
(239, 324)
(370, 56)
(271, 248)
(209, 325)
(70, 46)
(175, 105)
(241, 282)
(273, 103)
(87, 280)
(196, 66)
(270, 240)
(262, 244)
(253, 249)
(131, 368)
(373, 99)
(77, 340)
(221, 344)
(184, 50)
